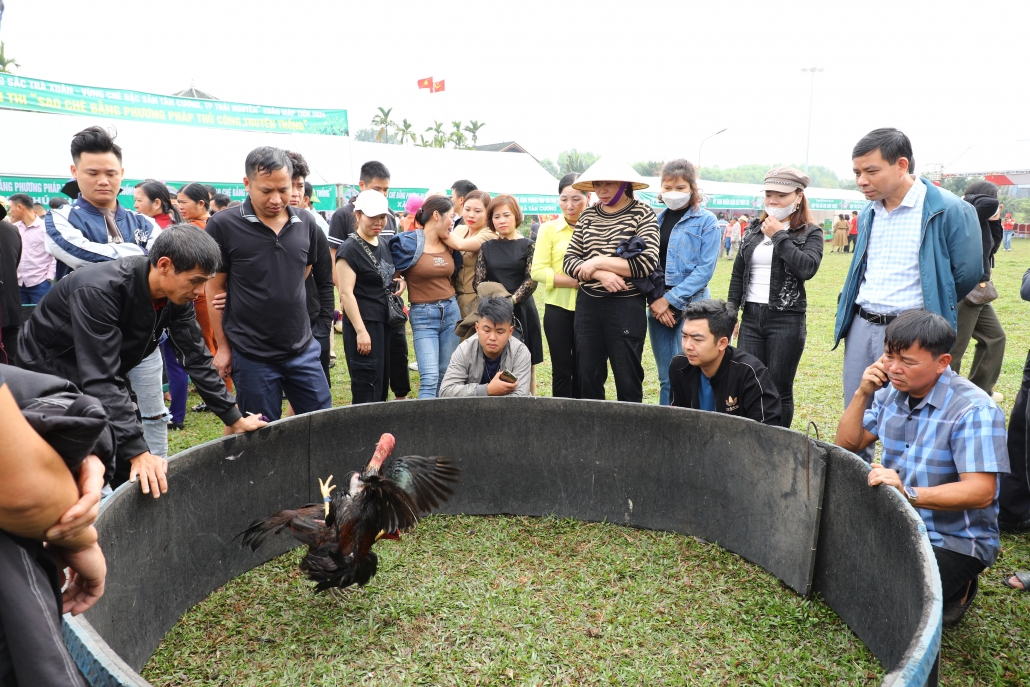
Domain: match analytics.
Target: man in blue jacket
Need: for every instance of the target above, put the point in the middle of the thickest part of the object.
(918, 247)
(96, 228)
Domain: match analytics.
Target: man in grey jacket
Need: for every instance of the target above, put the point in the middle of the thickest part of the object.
(481, 364)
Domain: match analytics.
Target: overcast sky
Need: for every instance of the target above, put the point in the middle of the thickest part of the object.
(638, 80)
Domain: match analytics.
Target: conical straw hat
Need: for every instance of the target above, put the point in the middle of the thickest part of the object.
(608, 169)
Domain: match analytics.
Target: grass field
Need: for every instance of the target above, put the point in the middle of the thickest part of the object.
(455, 603)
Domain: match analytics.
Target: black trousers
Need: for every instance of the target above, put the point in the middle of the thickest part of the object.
(1014, 498)
(777, 338)
(610, 330)
(956, 571)
(559, 328)
(400, 378)
(369, 374)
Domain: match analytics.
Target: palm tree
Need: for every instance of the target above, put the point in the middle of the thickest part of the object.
(383, 122)
(6, 64)
(423, 143)
(456, 137)
(439, 137)
(473, 128)
(406, 131)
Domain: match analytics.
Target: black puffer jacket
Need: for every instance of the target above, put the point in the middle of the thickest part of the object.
(98, 323)
(797, 254)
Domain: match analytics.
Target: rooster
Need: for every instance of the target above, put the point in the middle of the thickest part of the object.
(387, 497)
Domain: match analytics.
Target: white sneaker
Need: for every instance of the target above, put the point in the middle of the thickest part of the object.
(413, 366)
(997, 397)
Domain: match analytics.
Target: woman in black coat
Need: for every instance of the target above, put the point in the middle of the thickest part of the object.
(779, 252)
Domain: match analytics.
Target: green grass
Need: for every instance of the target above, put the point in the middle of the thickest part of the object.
(457, 603)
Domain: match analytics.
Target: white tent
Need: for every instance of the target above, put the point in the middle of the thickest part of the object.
(36, 144)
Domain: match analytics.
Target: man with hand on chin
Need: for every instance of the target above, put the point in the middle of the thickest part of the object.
(101, 320)
(943, 447)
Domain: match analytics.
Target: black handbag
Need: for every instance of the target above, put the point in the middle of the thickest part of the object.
(398, 313)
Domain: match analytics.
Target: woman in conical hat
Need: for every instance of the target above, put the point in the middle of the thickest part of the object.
(610, 321)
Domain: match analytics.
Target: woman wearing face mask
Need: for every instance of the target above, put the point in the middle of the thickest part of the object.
(509, 261)
(559, 289)
(611, 323)
(779, 252)
(429, 266)
(688, 253)
(467, 237)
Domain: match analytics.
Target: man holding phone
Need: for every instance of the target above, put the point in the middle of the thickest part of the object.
(492, 363)
(943, 447)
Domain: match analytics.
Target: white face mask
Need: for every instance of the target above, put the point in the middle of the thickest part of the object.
(779, 213)
(675, 200)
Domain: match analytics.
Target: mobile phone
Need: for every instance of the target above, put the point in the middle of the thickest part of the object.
(507, 376)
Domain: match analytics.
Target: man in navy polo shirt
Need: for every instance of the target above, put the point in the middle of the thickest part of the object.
(943, 447)
(264, 337)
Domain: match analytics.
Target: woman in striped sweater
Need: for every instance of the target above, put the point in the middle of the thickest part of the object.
(611, 320)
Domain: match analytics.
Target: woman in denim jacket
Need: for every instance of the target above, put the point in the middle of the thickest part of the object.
(688, 253)
(779, 252)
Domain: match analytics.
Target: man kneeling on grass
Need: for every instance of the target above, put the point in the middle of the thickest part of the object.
(712, 375)
(492, 363)
(943, 447)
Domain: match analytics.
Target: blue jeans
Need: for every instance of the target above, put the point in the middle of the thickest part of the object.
(147, 385)
(666, 342)
(432, 328)
(30, 295)
(1006, 237)
(260, 386)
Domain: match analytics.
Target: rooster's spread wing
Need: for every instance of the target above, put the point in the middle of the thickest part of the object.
(426, 480)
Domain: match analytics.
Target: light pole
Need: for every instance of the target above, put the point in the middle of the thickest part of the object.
(702, 144)
(811, 93)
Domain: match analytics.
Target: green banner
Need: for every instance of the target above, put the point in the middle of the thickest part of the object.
(36, 95)
(757, 203)
(529, 204)
(42, 189)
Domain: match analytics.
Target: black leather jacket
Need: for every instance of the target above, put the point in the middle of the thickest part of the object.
(796, 257)
(97, 324)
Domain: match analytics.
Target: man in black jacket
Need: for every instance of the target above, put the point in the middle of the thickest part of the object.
(712, 375)
(102, 319)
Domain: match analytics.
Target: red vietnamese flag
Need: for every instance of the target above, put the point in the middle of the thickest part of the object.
(426, 83)
(438, 86)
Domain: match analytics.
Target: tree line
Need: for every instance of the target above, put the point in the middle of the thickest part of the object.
(384, 129)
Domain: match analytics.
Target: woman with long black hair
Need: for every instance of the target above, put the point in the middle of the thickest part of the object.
(779, 252)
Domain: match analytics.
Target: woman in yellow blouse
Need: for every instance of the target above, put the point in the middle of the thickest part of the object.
(559, 289)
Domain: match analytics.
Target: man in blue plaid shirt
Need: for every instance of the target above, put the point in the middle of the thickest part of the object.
(943, 447)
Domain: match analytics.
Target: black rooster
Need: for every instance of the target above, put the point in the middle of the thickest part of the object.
(388, 496)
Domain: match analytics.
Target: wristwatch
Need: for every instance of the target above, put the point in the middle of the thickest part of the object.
(910, 492)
